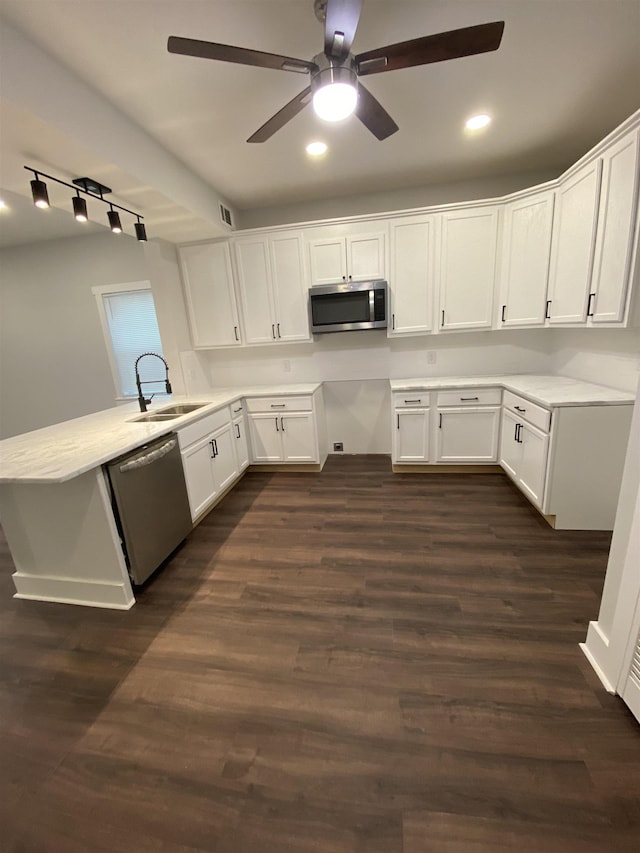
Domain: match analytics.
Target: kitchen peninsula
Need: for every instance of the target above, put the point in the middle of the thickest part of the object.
(56, 508)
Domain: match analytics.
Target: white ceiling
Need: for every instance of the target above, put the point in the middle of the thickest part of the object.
(567, 72)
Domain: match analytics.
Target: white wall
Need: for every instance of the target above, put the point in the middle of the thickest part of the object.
(53, 359)
(398, 199)
(357, 366)
(604, 356)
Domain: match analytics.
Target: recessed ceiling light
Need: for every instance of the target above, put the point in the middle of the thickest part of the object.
(2, 203)
(476, 122)
(316, 149)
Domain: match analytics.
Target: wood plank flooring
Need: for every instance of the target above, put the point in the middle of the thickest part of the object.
(345, 662)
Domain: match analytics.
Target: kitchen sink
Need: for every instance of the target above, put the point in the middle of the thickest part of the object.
(180, 409)
(150, 417)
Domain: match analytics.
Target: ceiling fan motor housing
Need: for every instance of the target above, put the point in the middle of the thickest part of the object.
(331, 70)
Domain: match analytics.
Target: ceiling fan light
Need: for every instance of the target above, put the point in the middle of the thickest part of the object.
(478, 122)
(335, 101)
(316, 149)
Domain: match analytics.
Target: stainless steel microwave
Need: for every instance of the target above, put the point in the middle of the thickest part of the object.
(348, 306)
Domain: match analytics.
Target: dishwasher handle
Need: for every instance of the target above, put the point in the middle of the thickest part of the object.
(149, 458)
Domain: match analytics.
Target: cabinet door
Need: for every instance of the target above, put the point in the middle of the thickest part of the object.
(411, 435)
(412, 275)
(266, 438)
(290, 286)
(224, 463)
(533, 464)
(510, 447)
(328, 260)
(210, 297)
(365, 257)
(468, 268)
(198, 472)
(612, 267)
(465, 435)
(254, 280)
(242, 447)
(526, 249)
(299, 441)
(574, 233)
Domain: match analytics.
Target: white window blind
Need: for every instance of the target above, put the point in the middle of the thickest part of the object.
(133, 328)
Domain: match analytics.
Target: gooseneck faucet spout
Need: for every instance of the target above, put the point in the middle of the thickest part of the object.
(142, 400)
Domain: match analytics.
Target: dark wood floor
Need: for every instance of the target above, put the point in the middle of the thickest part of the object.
(345, 662)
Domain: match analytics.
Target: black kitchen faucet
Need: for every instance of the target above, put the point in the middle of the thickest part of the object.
(142, 400)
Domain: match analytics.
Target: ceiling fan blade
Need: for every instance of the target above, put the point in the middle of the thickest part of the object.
(340, 26)
(373, 115)
(284, 115)
(241, 55)
(436, 48)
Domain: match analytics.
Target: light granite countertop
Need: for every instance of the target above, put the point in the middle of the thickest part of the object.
(60, 452)
(548, 391)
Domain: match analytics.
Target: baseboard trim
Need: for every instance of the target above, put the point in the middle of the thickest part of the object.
(70, 591)
(608, 686)
(424, 468)
(287, 467)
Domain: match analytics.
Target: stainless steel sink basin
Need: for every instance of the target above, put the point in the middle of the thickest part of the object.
(150, 417)
(180, 409)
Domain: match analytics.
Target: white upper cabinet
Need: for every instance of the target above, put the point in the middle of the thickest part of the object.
(273, 288)
(526, 249)
(616, 241)
(412, 275)
(468, 268)
(354, 257)
(209, 294)
(574, 233)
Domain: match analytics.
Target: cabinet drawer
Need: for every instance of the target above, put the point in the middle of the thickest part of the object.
(203, 427)
(527, 411)
(279, 404)
(411, 399)
(470, 397)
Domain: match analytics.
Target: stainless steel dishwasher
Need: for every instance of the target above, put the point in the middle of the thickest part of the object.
(150, 503)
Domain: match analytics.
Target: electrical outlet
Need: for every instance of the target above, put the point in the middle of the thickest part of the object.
(432, 357)
(286, 365)
(338, 447)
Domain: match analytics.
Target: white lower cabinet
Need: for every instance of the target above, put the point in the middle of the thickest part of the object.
(285, 429)
(467, 435)
(241, 443)
(411, 435)
(208, 458)
(523, 455)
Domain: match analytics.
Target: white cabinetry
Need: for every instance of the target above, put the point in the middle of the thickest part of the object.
(411, 427)
(273, 288)
(283, 429)
(412, 275)
(354, 257)
(210, 296)
(523, 455)
(468, 268)
(574, 233)
(526, 248)
(240, 436)
(208, 459)
(467, 425)
(617, 238)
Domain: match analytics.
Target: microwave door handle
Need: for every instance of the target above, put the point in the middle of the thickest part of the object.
(372, 306)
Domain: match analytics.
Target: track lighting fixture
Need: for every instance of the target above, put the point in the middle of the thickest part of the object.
(80, 208)
(114, 221)
(39, 192)
(88, 186)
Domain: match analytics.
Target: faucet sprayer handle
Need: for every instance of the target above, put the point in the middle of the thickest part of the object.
(167, 386)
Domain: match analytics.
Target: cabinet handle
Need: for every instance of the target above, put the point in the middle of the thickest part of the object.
(518, 429)
(282, 424)
(278, 405)
(273, 331)
(344, 278)
(518, 409)
(468, 399)
(443, 316)
(440, 421)
(213, 452)
(393, 321)
(504, 308)
(397, 421)
(277, 427)
(278, 327)
(546, 310)
(515, 433)
(239, 409)
(237, 430)
(215, 446)
(350, 278)
(589, 311)
(413, 401)
(235, 332)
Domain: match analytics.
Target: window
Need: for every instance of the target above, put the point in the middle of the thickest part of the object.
(130, 327)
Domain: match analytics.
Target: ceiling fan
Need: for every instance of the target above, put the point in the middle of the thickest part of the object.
(334, 73)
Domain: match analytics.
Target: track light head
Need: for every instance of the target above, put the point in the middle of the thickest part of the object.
(114, 221)
(80, 209)
(141, 232)
(39, 192)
